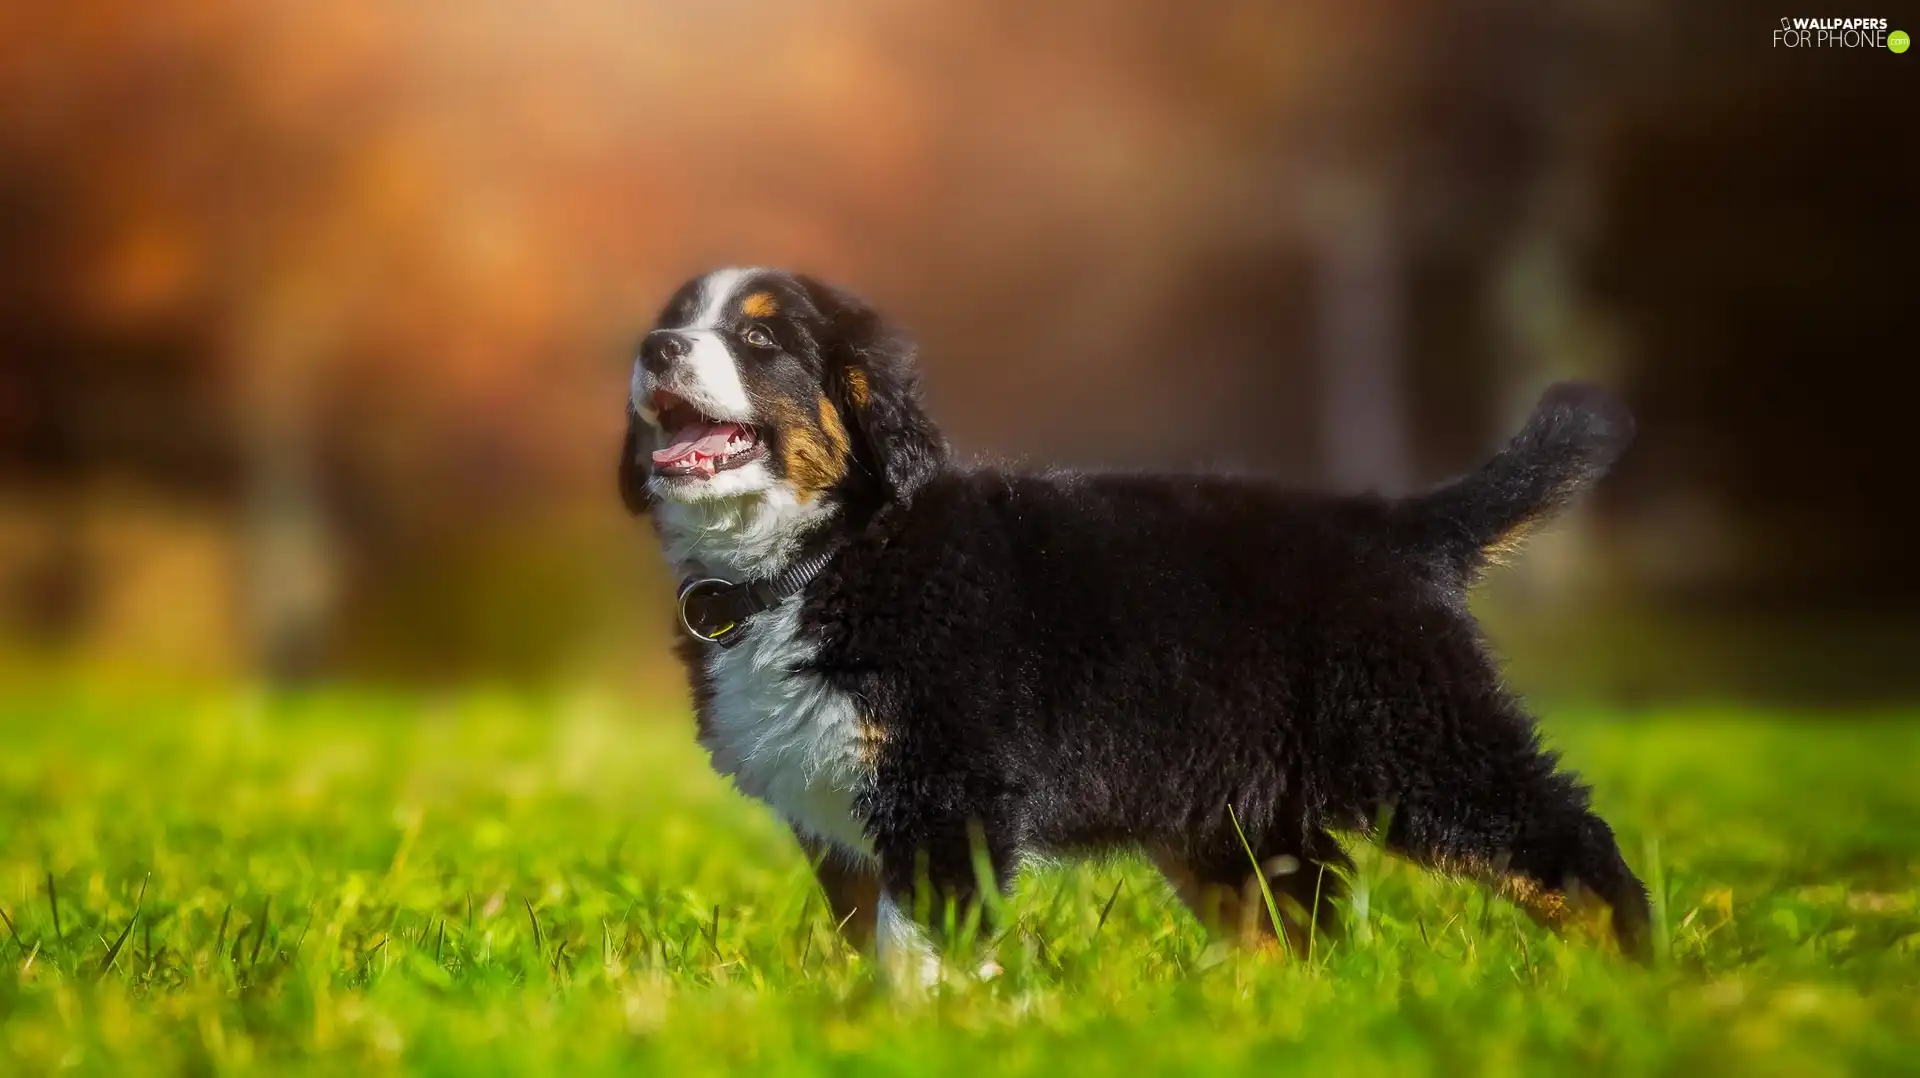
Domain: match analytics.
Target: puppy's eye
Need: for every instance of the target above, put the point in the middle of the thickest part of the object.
(758, 337)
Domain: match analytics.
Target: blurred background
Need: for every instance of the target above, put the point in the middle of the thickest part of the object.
(318, 316)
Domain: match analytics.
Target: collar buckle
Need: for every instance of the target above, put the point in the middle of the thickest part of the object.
(704, 614)
(715, 611)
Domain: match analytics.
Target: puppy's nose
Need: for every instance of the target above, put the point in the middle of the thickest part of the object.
(662, 348)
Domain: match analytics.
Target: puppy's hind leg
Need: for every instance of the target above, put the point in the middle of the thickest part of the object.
(1561, 864)
(1495, 809)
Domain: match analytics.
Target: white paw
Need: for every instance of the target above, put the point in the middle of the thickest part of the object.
(907, 957)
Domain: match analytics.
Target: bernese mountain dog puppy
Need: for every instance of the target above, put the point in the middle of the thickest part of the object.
(916, 661)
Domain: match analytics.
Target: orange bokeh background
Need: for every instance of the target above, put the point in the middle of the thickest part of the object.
(319, 315)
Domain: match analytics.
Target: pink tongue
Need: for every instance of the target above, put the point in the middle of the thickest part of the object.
(695, 443)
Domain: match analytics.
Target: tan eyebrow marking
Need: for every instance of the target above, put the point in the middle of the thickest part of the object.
(760, 305)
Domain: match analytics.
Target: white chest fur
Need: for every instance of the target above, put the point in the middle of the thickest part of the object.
(786, 736)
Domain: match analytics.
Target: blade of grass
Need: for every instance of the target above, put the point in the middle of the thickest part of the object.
(1313, 915)
(366, 960)
(1046, 952)
(985, 880)
(53, 903)
(1657, 885)
(1004, 933)
(12, 931)
(1108, 908)
(220, 937)
(113, 952)
(539, 937)
(260, 935)
(304, 929)
(1053, 907)
(1260, 874)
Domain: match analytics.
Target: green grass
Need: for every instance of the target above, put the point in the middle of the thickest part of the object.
(353, 882)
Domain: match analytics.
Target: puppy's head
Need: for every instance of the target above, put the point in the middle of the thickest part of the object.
(759, 383)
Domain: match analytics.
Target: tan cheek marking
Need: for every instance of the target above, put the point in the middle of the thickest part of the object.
(760, 305)
(857, 387)
(835, 431)
(814, 458)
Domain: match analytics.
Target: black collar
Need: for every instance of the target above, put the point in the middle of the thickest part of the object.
(715, 611)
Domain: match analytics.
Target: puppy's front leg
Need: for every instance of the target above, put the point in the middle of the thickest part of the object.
(903, 947)
(938, 856)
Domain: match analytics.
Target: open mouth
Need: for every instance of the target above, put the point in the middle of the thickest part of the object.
(700, 446)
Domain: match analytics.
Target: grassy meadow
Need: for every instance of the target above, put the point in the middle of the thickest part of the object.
(227, 882)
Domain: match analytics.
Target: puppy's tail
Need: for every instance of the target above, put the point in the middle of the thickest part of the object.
(1575, 434)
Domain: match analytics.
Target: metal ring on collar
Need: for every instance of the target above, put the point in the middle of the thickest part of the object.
(686, 593)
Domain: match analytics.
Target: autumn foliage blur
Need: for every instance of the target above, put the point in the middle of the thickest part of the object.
(318, 315)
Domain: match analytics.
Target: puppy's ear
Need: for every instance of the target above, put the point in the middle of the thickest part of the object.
(870, 369)
(633, 468)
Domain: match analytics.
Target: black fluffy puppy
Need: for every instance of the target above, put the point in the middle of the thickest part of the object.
(907, 657)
